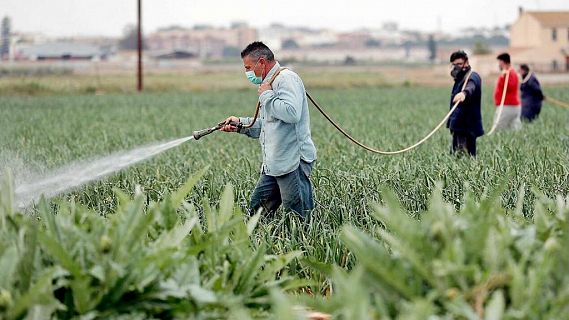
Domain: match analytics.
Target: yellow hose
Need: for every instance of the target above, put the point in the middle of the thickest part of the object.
(556, 102)
(368, 148)
(501, 107)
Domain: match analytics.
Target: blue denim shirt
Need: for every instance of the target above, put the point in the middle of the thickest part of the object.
(283, 126)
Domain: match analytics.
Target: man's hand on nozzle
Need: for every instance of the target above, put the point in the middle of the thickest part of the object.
(228, 127)
(459, 97)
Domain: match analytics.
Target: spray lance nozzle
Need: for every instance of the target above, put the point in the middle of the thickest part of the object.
(204, 132)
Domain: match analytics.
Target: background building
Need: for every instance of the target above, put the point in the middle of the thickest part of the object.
(201, 41)
(63, 51)
(541, 39)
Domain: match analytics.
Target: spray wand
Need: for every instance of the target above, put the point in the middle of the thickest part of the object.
(204, 132)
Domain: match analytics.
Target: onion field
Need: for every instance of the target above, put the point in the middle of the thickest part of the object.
(421, 235)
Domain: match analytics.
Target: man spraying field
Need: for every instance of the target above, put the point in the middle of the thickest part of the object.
(283, 130)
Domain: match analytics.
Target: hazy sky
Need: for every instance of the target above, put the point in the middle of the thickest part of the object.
(108, 17)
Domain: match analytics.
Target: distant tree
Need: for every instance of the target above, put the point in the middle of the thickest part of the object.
(173, 27)
(373, 43)
(130, 38)
(290, 44)
(349, 61)
(407, 47)
(231, 52)
(432, 46)
(288, 61)
(202, 27)
(481, 48)
(5, 38)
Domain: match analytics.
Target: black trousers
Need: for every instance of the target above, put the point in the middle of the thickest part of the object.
(463, 143)
(530, 113)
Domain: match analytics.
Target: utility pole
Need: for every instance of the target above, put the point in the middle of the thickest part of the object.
(6, 39)
(139, 47)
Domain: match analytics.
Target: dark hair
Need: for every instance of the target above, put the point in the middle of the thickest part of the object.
(504, 57)
(256, 50)
(460, 54)
(524, 67)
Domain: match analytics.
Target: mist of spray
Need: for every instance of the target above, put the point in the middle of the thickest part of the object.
(75, 175)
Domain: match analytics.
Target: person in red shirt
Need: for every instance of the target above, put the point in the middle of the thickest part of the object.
(509, 116)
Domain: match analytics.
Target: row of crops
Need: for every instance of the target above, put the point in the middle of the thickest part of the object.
(422, 235)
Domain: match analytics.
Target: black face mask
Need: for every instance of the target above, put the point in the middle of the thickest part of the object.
(458, 72)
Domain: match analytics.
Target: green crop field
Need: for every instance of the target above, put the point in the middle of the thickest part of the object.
(415, 236)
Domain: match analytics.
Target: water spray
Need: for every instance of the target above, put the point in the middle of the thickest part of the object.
(78, 174)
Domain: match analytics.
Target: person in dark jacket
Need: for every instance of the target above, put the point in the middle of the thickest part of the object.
(465, 123)
(532, 96)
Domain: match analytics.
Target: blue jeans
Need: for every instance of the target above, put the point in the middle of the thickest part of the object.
(292, 190)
